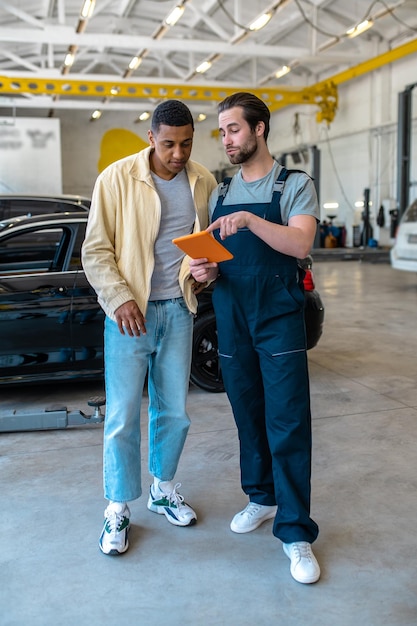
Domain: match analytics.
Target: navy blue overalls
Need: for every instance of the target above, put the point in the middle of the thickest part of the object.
(259, 305)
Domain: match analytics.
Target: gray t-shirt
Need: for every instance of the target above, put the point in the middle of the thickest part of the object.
(298, 197)
(177, 219)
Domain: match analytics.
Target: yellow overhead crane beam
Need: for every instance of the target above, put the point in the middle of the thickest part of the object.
(372, 64)
(275, 97)
(323, 94)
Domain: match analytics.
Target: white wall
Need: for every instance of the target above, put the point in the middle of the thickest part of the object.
(30, 155)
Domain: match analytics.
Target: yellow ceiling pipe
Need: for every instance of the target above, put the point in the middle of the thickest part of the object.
(372, 64)
(327, 107)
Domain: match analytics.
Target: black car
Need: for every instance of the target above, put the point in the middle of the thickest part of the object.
(16, 205)
(51, 326)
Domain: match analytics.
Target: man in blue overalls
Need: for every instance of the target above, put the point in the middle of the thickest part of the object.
(266, 224)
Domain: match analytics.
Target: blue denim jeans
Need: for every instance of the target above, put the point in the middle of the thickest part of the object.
(165, 352)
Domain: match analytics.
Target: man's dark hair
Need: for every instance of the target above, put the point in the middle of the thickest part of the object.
(171, 113)
(254, 109)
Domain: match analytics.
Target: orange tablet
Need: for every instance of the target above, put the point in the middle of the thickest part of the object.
(203, 245)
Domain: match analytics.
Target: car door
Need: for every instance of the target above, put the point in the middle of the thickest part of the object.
(42, 303)
(87, 318)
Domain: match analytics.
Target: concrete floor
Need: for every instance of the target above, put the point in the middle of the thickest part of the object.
(364, 401)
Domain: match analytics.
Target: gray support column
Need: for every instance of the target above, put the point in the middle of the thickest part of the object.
(404, 148)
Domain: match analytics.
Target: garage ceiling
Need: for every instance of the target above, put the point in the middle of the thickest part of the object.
(125, 56)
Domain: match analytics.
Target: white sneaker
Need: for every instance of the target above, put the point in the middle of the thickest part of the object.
(304, 567)
(252, 516)
(113, 539)
(171, 505)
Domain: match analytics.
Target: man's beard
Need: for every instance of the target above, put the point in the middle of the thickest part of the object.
(244, 154)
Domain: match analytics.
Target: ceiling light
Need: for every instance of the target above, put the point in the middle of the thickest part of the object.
(87, 10)
(175, 15)
(260, 21)
(95, 115)
(282, 71)
(331, 205)
(69, 59)
(359, 28)
(359, 204)
(201, 117)
(203, 67)
(142, 117)
(134, 63)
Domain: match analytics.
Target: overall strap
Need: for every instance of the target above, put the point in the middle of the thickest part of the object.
(275, 206)
(280, 181)
(283, 175)
(224, 186)
(279, 188)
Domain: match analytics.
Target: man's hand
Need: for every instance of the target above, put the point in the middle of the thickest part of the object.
(295, 240)
(230, 224)
(130, 320)
(203, 271)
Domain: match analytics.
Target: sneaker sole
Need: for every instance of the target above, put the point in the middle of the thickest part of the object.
(249, 529)
(114, 552)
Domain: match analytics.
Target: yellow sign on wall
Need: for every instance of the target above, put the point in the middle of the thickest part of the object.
(116, 144)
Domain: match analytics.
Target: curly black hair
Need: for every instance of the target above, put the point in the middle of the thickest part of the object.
(171, 113)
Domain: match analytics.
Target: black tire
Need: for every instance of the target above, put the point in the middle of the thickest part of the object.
(205, 365)
(314, 318)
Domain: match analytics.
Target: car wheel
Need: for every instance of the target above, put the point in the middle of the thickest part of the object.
(205, 365)
(314, 318)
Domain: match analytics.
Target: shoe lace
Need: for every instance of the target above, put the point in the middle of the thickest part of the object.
(252, 508)
(114, 521)
(174, 498)
(302, 550)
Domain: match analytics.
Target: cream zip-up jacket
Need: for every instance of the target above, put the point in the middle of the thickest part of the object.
(123, 224)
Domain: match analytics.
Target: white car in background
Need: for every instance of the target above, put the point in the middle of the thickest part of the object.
(404, 251)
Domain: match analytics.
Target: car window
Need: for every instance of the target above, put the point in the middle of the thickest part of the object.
(34, 250)
(411, 213)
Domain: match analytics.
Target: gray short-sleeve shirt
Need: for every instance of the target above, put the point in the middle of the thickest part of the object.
(298, 198)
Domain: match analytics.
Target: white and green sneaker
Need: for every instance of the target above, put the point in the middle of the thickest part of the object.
(171, 505)
(113, 539)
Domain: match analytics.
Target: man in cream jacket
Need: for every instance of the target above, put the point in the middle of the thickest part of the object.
(143, 283)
